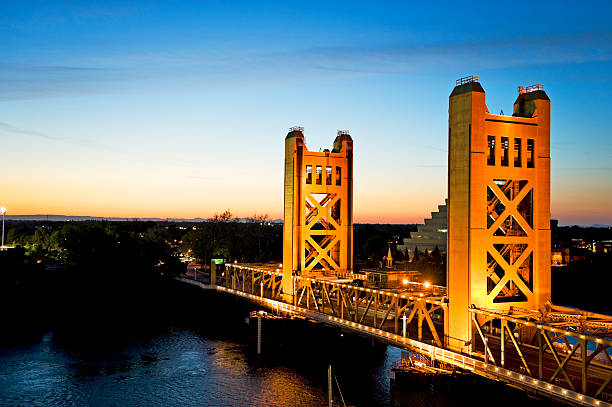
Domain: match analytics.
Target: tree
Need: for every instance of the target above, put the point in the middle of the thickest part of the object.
(425, 255)
(223, 217)
(436, 257)
(260, 227)
(198, 242)
(416, 256)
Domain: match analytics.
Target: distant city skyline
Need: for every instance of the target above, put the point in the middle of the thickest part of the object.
(180, 109)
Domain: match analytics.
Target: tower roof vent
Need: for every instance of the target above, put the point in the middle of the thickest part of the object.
(297, 128)
(532, 88)
(467, 79)
(344, 133)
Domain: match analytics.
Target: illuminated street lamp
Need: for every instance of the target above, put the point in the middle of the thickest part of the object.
(3, 211)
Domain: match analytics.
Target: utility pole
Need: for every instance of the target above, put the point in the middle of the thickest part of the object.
(329, 385)
(3, 210)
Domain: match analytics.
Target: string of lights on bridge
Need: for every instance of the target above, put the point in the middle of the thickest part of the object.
(279, 273)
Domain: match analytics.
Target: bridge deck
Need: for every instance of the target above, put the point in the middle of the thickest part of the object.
(351, 308)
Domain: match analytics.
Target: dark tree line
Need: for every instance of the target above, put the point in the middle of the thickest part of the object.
(256, 240)
(371, 242)
(108, 247)
(432, 265)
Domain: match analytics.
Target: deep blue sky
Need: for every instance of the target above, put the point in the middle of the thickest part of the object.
(178, 108)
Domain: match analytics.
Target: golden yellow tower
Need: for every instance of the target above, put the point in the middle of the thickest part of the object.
(318, 228)
(499, 206)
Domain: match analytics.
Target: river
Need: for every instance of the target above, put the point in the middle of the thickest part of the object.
(201, 352)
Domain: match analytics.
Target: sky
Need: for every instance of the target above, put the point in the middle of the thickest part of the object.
(180, 108)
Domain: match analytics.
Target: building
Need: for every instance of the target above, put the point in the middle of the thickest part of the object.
(560, 257)
(579, 243)
(429, 235)
(390, 278)
(603, 246)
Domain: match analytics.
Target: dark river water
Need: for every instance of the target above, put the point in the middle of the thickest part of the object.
(199, 358)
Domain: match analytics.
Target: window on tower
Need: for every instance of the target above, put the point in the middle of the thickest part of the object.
(491, 151)
(517, 152)
(530, 153)
(505, 152)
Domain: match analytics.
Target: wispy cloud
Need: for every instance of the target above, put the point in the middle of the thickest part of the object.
(23, 67)
(117, 72)
(97, 146)
(412, 58)
(7, 128)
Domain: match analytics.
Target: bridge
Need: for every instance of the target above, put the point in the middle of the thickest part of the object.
(494, 318)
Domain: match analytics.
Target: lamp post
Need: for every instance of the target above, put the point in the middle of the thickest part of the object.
(3, 211)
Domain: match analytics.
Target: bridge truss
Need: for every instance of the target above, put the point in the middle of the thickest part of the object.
(561, 353)
(562, 346)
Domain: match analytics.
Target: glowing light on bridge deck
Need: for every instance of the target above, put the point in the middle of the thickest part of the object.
(427, 284)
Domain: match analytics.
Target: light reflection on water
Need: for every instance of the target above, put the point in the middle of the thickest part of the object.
(176, 368)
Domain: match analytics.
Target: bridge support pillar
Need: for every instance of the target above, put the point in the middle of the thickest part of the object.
(259, 335)
(499, 207)
(318, 209)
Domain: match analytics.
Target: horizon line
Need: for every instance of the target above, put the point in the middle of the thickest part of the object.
(40, 217)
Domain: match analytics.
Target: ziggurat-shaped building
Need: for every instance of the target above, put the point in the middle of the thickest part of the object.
(429, 235)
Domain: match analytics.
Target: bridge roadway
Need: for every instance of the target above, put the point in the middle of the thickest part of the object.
(512, 373)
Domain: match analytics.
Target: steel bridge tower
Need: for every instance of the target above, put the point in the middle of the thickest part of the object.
(499, 206)
(318, 227)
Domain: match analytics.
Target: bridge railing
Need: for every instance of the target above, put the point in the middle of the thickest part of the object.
(386, 310)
